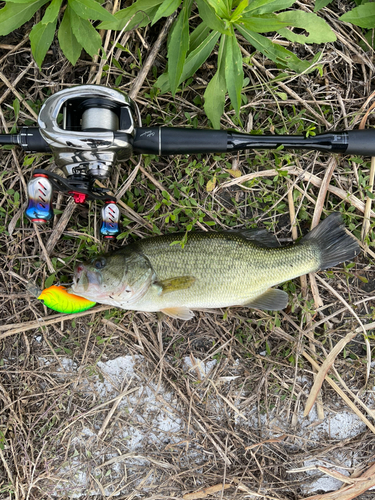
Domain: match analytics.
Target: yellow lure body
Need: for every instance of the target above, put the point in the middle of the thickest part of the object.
(59, 299)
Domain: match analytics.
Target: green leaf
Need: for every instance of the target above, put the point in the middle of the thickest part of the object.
(85, 34)
(14, 15)
(263, 23)
(221, 7)
(162, 83)
(178, 46)
(89, 9)
(370, 40)
(52, 11)
(233, 71)
(362, 16)
(68, 42)
(16, 108)
(283, 96)
(268, 6)
(139, 14)
(317, 28)
(194, 60)
(166, 9)
(49, 281)
(319, 4)
(239, 9)
(41, 37)
(276, 53)
(214, 96)
(197, 57)
(198, 36)
(20, 1)
(210, 17)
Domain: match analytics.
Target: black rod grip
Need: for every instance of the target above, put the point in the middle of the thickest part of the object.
(29, 138)
(333, 142)
(171, 141)
(8, 139)
(361, 142)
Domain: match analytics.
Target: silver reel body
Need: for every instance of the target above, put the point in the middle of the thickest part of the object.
(96, 130)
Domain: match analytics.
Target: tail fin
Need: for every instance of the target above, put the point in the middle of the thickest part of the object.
(334, 243)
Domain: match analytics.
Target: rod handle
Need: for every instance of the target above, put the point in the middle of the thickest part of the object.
(174, 141)
(361, 142)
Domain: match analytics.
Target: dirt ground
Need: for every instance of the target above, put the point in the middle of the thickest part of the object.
(119, 404)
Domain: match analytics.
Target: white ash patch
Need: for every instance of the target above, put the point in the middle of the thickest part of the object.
(335, 427)
(149, 422)
(340, 426)
(66, 365)
(322, 482)
(145, 422)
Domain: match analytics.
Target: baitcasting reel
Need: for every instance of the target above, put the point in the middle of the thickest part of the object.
(87, 129)
(90, 127)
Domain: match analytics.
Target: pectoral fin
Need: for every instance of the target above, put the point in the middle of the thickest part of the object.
(272, 300)
(173, 284)
(178, 312)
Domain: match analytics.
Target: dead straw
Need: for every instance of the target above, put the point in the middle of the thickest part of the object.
(366, 219)
(360, 485)
(305, 176)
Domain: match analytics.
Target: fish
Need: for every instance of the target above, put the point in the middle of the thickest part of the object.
(212, 270)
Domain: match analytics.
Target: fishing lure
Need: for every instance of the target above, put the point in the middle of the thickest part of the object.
(59, 299)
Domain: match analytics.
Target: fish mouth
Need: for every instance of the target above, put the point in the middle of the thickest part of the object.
(83, 279)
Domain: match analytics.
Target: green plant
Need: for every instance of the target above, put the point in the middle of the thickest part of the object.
(75, 31)
(363, 16)
(223, 22)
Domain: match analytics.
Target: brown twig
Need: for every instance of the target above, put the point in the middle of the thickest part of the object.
(60, 226)
(138, 82)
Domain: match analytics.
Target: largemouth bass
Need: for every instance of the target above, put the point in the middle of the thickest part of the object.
(214, 269)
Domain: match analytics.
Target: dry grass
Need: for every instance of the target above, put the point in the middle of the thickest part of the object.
(213, 406)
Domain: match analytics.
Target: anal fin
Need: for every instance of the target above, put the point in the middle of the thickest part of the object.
(272, 300)
(178, 312)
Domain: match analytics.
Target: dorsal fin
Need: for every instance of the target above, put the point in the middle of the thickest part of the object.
(260, 237)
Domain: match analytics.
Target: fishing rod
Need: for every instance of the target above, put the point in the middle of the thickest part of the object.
(89, 128)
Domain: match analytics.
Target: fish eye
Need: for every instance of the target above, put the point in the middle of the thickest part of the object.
(99, 263)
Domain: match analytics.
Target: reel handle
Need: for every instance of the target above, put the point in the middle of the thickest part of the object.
(39, 193)
(110, 220)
